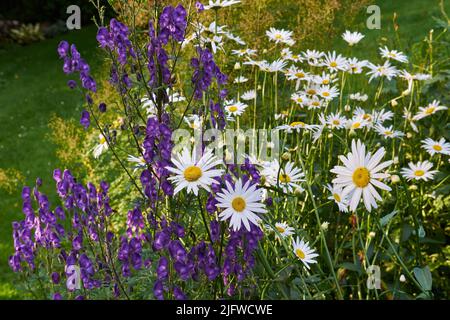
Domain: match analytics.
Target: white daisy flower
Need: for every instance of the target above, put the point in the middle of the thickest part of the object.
(352, 38)
(240, 79)
(336, 121)
(433, 147)
(241, 203)
(193, 174)
(359, 175)
(277, 66)
(280, 36)
(385, 70)
(284, 229)
(101, 147)
(249, 95)
(139, 162)
(419, 171)
(324, 79)
(388, 132)
(244, 52)
(194, 121)
(296, 125)
(328, 93)
(338, 197)
(381, 116)
(235, 108)
(432, 108)
(300, 99)
(355, 123)
(315, 103)
(304, 252)
(287, 177)
(393, 54)
(335, 62)
(358, 97)
(293, 73)
(355, 66)
(313, 57)
(217, 4)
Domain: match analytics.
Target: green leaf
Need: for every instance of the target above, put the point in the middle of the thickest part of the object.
(385, 220)
(423, 276)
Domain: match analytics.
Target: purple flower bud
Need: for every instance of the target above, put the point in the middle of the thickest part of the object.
(55, 277)
(85, 119)
(57, 296)
(63, 49)
(162, 270)
(102, 107)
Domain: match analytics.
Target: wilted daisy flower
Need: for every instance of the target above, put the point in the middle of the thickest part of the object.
(432, 108)
(419, 171)
(303, 252)
(335, 62)
(277, 66)
(101, 147)
(352, 38)
(385, 70)
(139, 162)
(433, 147)
(336, 121)
(217, 4)
(338, 197)
(300, 99)
(235, 108)
(328, 93)
(287, 177)
(240, 79)
(280, 36)
(244, 52)
(358, 97)
(359, 175)
(241, 203)
(249, 95)
(393, 54)
(192, 173)
(388, 132)
(284, 229)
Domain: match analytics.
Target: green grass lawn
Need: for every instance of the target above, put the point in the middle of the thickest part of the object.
(32, 88)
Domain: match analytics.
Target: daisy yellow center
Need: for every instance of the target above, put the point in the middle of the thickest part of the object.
(284, 178)
(300, 254)
(295, 57)
(429, 110)
(367, 117)
(278, 36)
(325, 81)
(315, 103)
(192, 173)
(280, 229)
(233, 109)
(102, 140)
(361, 177)
(311, 91)
(299, 74)
(336, 122)
(437, 147)
(299, 100)
(419, 173)
(337, 197)
(326, 94)
(238, 204)
(388, 133)
(356, 125)
(333, 64)
(297, 123)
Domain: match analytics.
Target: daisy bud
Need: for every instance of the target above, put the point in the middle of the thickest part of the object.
(406, 93)
(395, 178)
(395, 160)
(409, 135)
(371, 234)
(330, 135)
(237, 66)
(394, 103)
(347, 108)
(324, 225)
(286, 156)
(412, 187)
(298, 191)
(402, 278)
(259, 87)
(265, 51)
